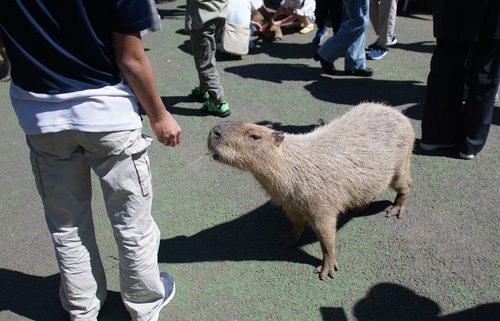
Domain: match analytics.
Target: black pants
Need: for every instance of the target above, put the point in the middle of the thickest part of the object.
(447, 119)
(329, 8)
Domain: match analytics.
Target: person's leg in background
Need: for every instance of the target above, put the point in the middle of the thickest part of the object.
(355, 59)
(383, 18)
(482, 78)
(336, 11)
(320, 13)
(351, 30)
(203, 45)
(444, 95)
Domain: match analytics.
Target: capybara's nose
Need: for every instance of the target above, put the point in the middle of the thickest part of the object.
(217, 131)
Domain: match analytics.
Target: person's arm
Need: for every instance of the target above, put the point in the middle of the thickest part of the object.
(278, 12)
(263, 11)
(137, 71)
(257, 25)
(286, 20)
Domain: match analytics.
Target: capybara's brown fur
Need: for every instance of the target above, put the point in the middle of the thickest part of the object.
(341, 166)
(269, 31)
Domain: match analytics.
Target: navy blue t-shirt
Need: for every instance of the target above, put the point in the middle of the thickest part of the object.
(61, 46)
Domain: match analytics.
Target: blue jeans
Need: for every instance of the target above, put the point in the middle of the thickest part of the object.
(350, 39)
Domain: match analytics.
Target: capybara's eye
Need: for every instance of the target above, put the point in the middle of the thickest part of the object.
(254, 137)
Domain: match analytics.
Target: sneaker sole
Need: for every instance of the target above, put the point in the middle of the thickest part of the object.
(214, 113)
(431, 147)
(170, 297)
(393, 42)
(466, 156)
(377, 57)
(306, 31)
(164, 304)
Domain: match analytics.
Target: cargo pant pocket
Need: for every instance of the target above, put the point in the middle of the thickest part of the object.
(140, 158)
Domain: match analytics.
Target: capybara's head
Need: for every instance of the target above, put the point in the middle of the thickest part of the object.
(244, 145)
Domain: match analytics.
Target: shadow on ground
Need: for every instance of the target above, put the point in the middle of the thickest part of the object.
(37, 298)
(250, 237)
(393, 302)
(339, 90)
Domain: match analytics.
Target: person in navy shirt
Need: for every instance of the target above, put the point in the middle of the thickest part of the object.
(79, 73)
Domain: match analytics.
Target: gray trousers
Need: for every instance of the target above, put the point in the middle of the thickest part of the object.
(61, 164)
(203, 45)
(383, 19)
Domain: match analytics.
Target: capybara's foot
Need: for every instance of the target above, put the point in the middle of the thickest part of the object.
(326, 270)
(395, 210)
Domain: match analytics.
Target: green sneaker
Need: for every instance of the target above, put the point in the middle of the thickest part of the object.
(200, 95)
(221, 110)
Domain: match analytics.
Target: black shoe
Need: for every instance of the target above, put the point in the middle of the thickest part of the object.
(367, 72)
(373, 45)
(327, 67)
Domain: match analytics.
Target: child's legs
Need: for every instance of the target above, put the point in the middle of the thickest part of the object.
(375, 15)
(387, 22)
(203, 45)
(304, 20)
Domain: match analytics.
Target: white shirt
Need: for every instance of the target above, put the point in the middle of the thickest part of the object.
(111, 108)
(240, 11)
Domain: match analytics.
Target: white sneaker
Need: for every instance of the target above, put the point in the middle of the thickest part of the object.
(466, 156)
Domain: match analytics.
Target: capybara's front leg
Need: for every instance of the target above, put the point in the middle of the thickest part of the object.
(326, 235)
(298, 223)
(398, 208)
(401, 183)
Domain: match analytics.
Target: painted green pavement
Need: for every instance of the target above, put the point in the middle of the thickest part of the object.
(219, 231)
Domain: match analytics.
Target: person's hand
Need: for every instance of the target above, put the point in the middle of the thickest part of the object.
(166, 129)
(258, 26)
(276, 23)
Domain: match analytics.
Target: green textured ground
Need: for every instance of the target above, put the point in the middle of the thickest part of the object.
(219, 232)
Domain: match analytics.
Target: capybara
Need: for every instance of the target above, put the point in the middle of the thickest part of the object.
(341, 166)
(269, 31)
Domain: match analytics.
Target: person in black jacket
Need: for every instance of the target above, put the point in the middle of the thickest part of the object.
(467, 55)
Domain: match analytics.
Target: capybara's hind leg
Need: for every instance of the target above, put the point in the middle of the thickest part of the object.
(298, 223)
(401, 183)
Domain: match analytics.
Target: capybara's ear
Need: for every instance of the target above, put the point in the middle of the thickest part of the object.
(278, 137)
